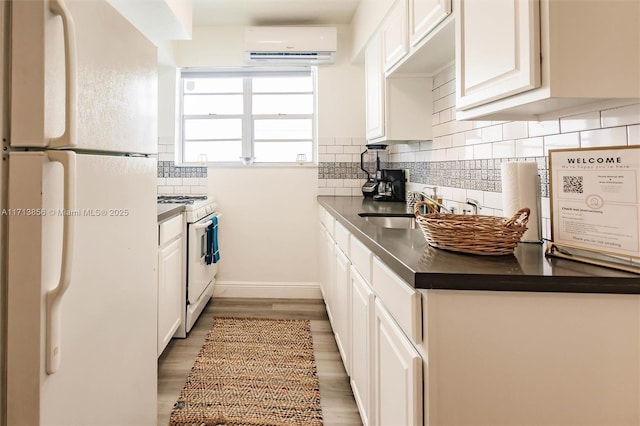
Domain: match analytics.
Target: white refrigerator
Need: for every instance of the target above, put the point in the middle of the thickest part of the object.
(80, 214)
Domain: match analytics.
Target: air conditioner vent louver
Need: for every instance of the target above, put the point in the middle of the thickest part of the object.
(290, 45)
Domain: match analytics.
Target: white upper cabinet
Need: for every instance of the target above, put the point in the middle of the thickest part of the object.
(395, 35)
(374, 81)
(398, 108)
(424, 15)
(543, 59)
(500, 59)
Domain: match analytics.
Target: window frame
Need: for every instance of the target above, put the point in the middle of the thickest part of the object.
(247, 117)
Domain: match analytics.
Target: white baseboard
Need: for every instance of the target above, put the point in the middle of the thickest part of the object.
(273, 290)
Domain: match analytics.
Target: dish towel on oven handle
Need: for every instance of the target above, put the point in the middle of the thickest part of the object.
(213, 253)
(214, 240)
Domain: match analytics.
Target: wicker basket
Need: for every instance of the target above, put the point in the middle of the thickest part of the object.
(474, 234)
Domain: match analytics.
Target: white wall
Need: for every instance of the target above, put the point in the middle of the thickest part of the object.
(269, 227)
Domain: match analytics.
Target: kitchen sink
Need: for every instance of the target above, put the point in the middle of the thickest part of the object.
(396, 222)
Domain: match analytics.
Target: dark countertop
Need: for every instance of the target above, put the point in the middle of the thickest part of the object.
(167, 211)
(407, 253)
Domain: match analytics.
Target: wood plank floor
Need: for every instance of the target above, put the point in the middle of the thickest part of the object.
(336, 399)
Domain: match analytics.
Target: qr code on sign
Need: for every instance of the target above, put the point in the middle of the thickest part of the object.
(572, 184)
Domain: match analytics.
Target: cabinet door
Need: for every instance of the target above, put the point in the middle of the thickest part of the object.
(362, 299)
(395, 35)
(424, 15)
(374, 81)
(170, 275)
(342, 308)
(397, 374)
(330, 278)
(497, 49)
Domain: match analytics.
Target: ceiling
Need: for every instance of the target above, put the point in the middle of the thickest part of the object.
(272, 12)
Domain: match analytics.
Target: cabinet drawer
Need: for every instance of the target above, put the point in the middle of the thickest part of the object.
(342, 238)
(170, 229)
(402, 301)
(360, 257)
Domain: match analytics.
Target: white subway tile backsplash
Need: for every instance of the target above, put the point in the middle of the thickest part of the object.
(576, 123)
(482, 151)
(343, 192)
(446, 115)
(542, 128)
(327, 158)
(493, 200)
(439, 79)
(322, 149)
(335, 149)
(621, 116)
(613, 136)
(458, 139)
(515, 130)
(346, 158)
(448, 88)
(435, 119)
(565, 140)
(492, 134)
(443, 142)
(445, 102)
(182, 190)
(166, 156)
(335, 183)
(457, 153)
(173, 181)
(504, 149)
(532, 147)
(353, 149)
(164, 190)
(473, 137)
(633, 135)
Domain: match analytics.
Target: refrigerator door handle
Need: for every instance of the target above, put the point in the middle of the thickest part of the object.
(68, 138)
(53, 296)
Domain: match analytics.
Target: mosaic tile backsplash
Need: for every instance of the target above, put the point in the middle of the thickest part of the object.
(168, 169)
(481, 175)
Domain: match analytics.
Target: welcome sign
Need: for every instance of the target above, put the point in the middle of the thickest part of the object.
(595, 199)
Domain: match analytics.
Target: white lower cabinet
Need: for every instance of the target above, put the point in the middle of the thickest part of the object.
(397, 374)
(362, 300)
(341, 311)
(171, 276)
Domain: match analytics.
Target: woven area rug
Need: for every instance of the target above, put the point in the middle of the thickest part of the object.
(252, 372)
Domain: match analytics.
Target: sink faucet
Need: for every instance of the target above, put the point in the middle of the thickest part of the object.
(475, 204)
(441, 207)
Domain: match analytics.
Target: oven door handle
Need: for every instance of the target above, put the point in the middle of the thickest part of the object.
(206, 223)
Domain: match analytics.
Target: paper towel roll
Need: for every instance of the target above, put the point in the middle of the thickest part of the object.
(521, 188)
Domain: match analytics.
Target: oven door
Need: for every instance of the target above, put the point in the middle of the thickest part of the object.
(200, 275)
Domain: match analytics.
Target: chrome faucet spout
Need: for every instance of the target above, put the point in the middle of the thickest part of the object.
(440, 206)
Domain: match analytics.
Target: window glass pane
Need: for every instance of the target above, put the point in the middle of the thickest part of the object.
(283, 129)
(216, 151)
(282, 152)
(213, 129)
(283, 104)
(212, 104)
(282, 84)
(213, 85)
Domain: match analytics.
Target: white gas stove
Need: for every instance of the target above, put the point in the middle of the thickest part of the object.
(203, 255)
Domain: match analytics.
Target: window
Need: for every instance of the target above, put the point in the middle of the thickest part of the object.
(248, 116)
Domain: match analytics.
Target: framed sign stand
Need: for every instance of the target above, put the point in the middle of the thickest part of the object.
(595, 206)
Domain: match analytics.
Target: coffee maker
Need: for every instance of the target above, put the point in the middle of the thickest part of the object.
(382, 184)
(391, 185)
(370, 164)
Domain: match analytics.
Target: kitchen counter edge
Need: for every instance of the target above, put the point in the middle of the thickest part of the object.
(167, 211)
(408, 255)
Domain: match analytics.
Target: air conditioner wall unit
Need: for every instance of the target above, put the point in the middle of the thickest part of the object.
(290, 45)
